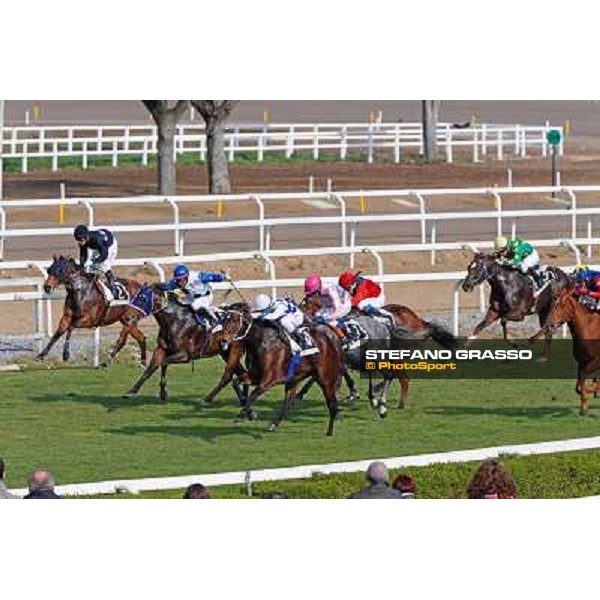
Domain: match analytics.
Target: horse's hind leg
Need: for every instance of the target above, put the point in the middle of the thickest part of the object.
(63, 325)
(118, 346)
(158, 358)
(140, 338)
(329, 391)
(403, 379)
(354, 394)
(382, 402)
(305, 389)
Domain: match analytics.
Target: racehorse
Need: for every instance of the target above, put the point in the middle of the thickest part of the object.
(269, 363)
(512, 296)
(584, 325)
(86, 307)
(407, 325)
(181, 339)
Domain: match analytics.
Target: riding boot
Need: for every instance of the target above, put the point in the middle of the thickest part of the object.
(306, 342)
(110, 282)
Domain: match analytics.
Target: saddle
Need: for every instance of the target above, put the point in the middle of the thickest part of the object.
(118, 298)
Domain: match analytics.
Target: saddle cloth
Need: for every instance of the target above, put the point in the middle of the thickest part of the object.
(120, 297)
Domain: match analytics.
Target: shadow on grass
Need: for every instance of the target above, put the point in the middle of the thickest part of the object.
(536, 412)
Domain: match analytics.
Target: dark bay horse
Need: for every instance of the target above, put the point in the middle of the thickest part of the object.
(512, 296)
(584, 325)
(86, 308)
(181, 339)
(267, 362)
(408, 325)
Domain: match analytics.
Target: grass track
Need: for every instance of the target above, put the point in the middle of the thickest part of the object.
(74, 421)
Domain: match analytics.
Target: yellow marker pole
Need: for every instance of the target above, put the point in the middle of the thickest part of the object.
(567, 128)
(36, 112)
(219, 208)
(363, 205)
(266, 116)
(61, 211)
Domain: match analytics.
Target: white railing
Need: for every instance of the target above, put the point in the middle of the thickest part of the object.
(135, 486)
(114, 142)
(348, 224)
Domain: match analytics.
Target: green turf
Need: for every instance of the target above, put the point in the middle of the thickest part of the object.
(75, 422)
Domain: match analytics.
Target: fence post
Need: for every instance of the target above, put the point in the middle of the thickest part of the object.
(316, 142)
(379, 261)
(449, 157)
(290, 143)
(24, 159)
(270, 266)
(97, 347)
(261, 150)
(589, 235)
(261, 217)
(397, 143)
(370, 144)
(352, 244)
(498, 203)
(484, 140)
(145, 153)
(500, 145)
(232, 146)
(90, 211)
(55, 156)
(573, 208)
(475, 146)
(176, 240)
(433, 241)
(344, 143)
(342, 204)
(455, 311)
(159, 270)
(84, 156)
(421, 200)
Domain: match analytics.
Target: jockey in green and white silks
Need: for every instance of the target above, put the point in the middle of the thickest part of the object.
(520, 255)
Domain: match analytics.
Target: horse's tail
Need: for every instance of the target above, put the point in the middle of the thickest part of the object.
(442, 336)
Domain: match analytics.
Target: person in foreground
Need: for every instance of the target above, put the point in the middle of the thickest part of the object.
(491, 481)
(196, 491)
(41, 486)
(4, 493)
(378, 485)
(406, 486)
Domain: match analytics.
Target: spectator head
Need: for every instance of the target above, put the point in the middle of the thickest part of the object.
(276, 496)
(377, 473)
(405, 485)
(491, 481)
(41, 481)
(1, 469)
(196, 491)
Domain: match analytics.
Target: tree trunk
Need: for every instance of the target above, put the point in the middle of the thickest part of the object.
(218, 171)
(215, 113)
(166, 115)
(166, 157)
(430, 120)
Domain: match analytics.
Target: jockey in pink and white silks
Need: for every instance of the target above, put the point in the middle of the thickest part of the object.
(336, 302)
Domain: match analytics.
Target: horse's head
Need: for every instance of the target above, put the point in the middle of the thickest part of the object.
(479, 270)
(59, 272)
(235, 322)
(311, 303)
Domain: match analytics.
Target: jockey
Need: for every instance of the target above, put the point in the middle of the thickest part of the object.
(366, 296)
(197, 292)
(97, 252)
(284, 313)
(587, 282)
(520, 255)
(335, 300)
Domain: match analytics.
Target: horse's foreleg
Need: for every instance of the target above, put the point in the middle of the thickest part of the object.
(67, 345)
(329, 391)
(63, 325)
(158, 358)
(354, 394)
(290, 393)
(404, 390)
(491, 316)
(163, 382)
(505, 333)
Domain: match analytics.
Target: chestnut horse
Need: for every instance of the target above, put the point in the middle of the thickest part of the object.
(584, 325)
(86, 308)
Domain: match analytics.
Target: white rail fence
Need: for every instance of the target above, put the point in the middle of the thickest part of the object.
(135, 486)
(348, 224)
(115, 142)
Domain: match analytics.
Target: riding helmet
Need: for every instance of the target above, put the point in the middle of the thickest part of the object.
(261, 302)
(181, 271)
(500, 242)
(347, 279)
(81, 232)
(312, 284)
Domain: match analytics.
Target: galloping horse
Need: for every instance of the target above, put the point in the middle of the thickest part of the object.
(86, 308)
(512, 296)
(407, 325)
(268, 363)
(181, 340)
(584, 325)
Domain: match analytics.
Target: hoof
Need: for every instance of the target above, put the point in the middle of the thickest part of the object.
(103, 365)
(383, 415)
(400, 407)
(40, 357)
(272, 427)
(129, 395)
